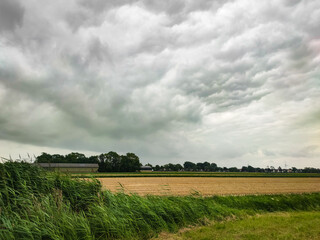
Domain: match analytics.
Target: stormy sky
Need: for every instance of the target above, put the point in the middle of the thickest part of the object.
(231, 82)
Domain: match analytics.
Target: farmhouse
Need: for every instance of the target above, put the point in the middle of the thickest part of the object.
(70, 167)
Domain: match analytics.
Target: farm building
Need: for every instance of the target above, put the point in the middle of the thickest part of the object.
(146, 169)
(70, 167)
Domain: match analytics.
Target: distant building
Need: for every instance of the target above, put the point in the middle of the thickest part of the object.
(146, 169)
(70, 167)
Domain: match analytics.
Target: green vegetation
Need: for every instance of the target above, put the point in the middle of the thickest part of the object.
(108, 162)
(194, 174)
(113, 162)
(35, 204)
(290, 225)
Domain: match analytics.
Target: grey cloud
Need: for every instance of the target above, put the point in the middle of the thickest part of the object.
(11, 15)
(174, 81)
(100, 5)
(291, 3)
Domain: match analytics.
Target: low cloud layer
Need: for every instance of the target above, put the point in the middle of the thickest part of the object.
(231, 82)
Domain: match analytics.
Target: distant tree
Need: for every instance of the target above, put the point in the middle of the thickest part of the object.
(173, 167)
(311, 170)
(161, 168)
(244, 169)
(76, 157)
(250, 169)
(129, 163)
(108, 162)
(157, 168)
(200, 166)
(213, 167)
(178, 167)
(115, 161)
(260, 170)
(206, 166)
(189, 166)
(233, 169)
(167, 167)
(57, 158)
(93, 159)
(104, 163)
(44, 158)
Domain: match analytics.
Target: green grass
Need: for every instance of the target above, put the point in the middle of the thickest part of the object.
(289, 225)
(35, 204)
(194, 174)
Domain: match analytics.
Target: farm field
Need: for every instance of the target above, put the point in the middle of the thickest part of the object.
(282, 225)
(194, 174)
(207, 186)
(36, 204)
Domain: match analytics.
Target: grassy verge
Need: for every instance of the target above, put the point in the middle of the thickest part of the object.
(194, 174)
(289, 225)
(38, 205)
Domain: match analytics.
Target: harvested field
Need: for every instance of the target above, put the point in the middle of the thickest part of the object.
(210, 186)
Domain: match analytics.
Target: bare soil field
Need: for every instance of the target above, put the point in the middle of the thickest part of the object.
(210, 186)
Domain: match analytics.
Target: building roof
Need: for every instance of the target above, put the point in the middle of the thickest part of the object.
(68, 165)
(146, 167)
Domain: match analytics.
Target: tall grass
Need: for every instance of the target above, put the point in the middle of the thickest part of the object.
(35, 204)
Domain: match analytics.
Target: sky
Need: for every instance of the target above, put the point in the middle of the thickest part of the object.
(231, 82)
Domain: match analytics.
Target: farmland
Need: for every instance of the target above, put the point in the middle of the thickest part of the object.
(207, 186)
(195, 174)
(35, 204)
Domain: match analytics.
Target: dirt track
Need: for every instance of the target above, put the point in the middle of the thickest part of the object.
(211, 186)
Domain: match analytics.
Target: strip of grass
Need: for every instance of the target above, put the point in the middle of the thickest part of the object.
(37, 205)
(289, 225)
(194, 174)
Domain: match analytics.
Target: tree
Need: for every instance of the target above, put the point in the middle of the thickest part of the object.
(104, 163)
(114, 160)
(189, 166)
(93, 159)
(233, 169)
(157, 168)
(76, 157)
(57, 158)
(206, 166)
(244, 169)
(251, 169)
(213, 167)
(129, 163)
(177, 167)
(44, 158)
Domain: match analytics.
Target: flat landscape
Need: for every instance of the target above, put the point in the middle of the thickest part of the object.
(37, 204)
(195, 174)
(210, 186)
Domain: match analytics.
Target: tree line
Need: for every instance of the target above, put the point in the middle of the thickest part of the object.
(213, 167)
(130, 162)
(108, 162)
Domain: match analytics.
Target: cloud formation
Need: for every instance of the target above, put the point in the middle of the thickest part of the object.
(231, 82)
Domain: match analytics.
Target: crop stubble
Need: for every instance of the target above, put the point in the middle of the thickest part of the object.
(210, 186)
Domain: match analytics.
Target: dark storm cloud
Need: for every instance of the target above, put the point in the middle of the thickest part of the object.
(11, 15)
(169, 80)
